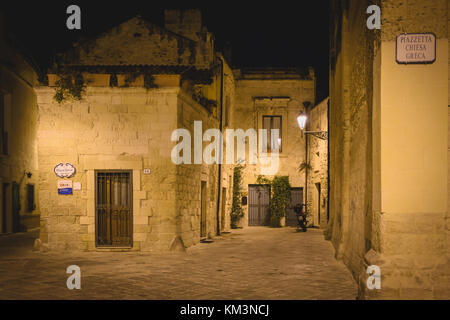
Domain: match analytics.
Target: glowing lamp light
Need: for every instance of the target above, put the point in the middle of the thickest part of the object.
(302, 120)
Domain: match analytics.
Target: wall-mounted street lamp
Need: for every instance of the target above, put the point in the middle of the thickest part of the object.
(301, 119)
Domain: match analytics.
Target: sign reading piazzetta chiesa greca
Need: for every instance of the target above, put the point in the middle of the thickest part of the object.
(416, 48)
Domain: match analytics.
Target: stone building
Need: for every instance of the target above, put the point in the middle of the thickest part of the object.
(119, 108)
(142, 82)
(18, 129)
(388, 149)
(273, 99)
(317, 176)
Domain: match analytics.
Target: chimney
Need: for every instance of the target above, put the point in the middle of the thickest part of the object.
(187, 23)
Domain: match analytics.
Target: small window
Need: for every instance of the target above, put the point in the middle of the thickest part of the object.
(272, 123)
(31, 205)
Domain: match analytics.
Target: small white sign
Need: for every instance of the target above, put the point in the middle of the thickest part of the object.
(77, 186)
(146, 171)
(64, 170)
(416, 48)
(64, 186)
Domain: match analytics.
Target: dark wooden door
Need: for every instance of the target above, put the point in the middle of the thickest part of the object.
(114, 202)
(203, 210)
(15, 207)
(224, 205)
(296, 198)
(258, 205)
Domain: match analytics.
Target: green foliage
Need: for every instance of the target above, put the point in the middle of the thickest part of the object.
(236, 209)
(263, 180)
(129, 78)
(113, 82)
(280, 197)
(304, 166)
(149, 81)
(69, 86)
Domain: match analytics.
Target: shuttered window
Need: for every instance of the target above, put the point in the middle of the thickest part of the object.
(271, 123)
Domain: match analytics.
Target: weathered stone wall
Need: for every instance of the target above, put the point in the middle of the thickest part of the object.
(318, 159)
(388, 167)
(17, 78)
(139, 42)
(111, 128)
(273, 94)
(351, 90)
(190, 176)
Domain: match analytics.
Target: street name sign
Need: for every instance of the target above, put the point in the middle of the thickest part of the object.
(416, 48)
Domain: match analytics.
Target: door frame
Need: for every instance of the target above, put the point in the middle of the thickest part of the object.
(268, 186)
(130, 172)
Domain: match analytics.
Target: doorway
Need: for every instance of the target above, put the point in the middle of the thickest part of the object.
(6, 209)
(224, 206)
(258, 205)
(318, 187)
(203, 210)
(114, 208)
(296, 199)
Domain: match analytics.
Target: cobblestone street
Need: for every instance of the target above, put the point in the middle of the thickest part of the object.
(253, 263)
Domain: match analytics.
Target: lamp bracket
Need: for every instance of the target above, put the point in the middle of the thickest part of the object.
(318, 134)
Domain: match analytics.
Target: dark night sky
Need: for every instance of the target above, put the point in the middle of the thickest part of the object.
(273, 34)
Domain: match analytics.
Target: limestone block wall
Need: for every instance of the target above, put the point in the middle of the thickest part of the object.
(17, 78)
(283, 97)
(352, 223)
(388, 135)
(414, 242)
(190, 177)
(111, 128)
(318, 158)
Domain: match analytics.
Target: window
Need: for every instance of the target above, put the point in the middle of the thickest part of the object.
(272, 123)
(31, 205)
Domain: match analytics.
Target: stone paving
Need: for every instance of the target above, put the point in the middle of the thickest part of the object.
(253, 263)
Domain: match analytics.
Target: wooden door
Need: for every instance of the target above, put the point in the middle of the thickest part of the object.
(258, 205)
(203, 210)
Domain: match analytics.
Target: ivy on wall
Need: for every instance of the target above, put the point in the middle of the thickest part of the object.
(236, 208)
(280, 197)
(69, 86)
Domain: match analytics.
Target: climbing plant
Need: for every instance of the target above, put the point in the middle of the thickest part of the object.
(69, 86)
(236, 208)
(280, 197)
(304, 166)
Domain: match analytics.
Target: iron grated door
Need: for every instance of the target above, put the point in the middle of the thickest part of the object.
(114, 199)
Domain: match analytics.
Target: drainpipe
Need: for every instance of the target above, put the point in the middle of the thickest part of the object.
(220, 147)
(306, 161)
